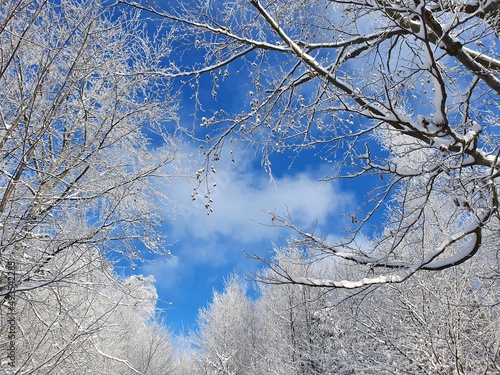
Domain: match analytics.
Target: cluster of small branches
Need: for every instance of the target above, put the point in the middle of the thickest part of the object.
(404, 92)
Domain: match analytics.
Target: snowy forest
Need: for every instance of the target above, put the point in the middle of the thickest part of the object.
(104, 104)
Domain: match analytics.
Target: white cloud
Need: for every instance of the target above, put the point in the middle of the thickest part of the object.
(239, 221)
(167, 272)
(240, 201)
(208, 247)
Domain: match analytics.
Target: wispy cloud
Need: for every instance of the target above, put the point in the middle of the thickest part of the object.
(207, 247)
(242, 198)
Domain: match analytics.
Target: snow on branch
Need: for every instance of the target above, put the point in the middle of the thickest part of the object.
(403, 270)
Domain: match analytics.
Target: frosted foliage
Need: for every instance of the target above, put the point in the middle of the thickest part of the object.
(85, 325)
(295, 337)
(80, 181)
(435, 323)
(226, 338)
(76, 164)
(401, 96)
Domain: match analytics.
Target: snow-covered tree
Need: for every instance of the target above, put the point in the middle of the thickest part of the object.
(226, 342)
(364, 84)
(435, 323)
(445, 322)
(184, 355)
(92, 323)
(85, 157)
(294, 337)
(134, 340)
(440, 323)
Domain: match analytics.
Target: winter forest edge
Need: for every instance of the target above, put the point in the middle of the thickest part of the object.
(102, 103)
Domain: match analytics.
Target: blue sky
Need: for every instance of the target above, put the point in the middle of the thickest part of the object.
(207, 248)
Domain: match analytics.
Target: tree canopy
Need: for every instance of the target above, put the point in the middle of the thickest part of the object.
(79, 180)
(399, 95)
(403, 93)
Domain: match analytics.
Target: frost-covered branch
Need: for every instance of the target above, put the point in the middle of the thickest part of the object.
(403, 93)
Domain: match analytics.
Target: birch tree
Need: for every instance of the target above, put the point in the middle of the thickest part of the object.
(365, 85)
